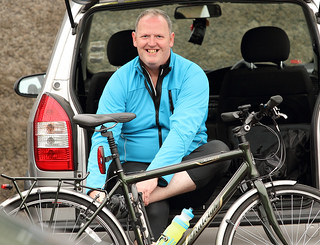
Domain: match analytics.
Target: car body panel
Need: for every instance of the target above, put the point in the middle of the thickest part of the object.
(63, 69)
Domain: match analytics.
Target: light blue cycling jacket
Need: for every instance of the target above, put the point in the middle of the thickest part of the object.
(175, 118)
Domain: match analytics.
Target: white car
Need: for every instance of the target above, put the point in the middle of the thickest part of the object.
(250, 50)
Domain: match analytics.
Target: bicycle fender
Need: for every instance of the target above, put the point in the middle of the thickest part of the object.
(239, 201)
(69, 192)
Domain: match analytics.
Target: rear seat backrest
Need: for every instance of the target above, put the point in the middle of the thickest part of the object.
(258, 82)
(254, 83)
(120, 50)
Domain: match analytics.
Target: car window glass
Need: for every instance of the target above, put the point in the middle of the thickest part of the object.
(221, 43)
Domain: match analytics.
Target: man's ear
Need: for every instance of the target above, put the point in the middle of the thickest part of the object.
(134, 39)
(172, 39)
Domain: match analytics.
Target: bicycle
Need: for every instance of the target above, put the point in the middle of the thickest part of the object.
(275, 212)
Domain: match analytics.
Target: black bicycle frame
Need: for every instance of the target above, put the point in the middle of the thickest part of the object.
(247, 168)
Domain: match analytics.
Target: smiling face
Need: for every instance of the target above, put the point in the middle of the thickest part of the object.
(153, 40)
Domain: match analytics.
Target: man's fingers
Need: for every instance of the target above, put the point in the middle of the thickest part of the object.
(145, 196)
(101, 197)
(94, 194)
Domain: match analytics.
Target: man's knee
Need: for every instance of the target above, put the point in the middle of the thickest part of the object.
(216, 146)
(203, 175)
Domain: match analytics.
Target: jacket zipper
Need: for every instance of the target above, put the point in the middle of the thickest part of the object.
(170, 101)
(155, 94)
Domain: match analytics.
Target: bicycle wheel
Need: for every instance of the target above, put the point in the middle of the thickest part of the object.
(69, 215)
(297, 209)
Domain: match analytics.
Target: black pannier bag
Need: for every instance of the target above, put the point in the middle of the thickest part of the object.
(297, 165)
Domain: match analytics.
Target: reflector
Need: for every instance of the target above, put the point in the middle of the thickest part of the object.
(101, 160)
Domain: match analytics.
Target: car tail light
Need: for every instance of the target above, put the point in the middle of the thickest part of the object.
(53, 143)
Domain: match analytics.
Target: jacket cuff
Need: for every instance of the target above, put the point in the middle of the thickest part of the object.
(165, 180)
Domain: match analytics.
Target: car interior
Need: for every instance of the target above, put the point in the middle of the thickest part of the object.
(259, 57)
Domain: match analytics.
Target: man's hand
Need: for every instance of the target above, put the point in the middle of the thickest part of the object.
(147, 187)
(101, 194)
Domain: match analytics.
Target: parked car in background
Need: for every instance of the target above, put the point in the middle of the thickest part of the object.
(250, 50)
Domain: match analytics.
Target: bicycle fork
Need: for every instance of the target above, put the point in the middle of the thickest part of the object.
(264, 197)
(267, 208)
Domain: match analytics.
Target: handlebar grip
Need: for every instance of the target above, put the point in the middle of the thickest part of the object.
(230, 116)
(274, 101)
(255, 117)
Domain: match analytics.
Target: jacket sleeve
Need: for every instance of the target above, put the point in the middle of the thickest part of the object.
(112, 101)
(190, 112)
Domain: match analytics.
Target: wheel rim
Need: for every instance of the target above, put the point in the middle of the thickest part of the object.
(297, 212)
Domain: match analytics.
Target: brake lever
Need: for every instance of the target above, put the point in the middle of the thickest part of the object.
(249, 119)
(277, 114)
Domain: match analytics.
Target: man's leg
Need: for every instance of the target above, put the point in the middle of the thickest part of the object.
(158, 212)
(180, 183)
(190, 180)
(190, 183)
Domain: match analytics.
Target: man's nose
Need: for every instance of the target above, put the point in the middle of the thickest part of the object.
(152, 40)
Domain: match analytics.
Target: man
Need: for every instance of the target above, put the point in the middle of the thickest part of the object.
(169, 94)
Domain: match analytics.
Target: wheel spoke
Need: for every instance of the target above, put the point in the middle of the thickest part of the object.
(296, 208)
(70, 213)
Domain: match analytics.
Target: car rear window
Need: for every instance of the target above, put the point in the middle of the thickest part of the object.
(221, 43)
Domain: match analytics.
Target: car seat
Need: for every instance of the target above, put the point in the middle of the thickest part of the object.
(263, 74)
(120, 50)
(260, 75)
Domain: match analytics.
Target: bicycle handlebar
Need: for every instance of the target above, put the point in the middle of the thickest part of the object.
(255, 117)
(230, 116)
(273, 102)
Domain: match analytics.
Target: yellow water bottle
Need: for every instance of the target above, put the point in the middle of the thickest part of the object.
(175, 230)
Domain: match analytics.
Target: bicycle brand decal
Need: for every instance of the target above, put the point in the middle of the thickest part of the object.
(203, 221)
(208, 160)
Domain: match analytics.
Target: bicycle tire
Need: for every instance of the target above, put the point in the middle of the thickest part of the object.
(297, 209)
(70, 214)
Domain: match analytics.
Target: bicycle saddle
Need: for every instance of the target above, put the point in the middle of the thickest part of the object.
(94, 120)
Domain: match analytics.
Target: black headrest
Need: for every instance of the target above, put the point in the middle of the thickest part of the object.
(120, 49)
(265, 44)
